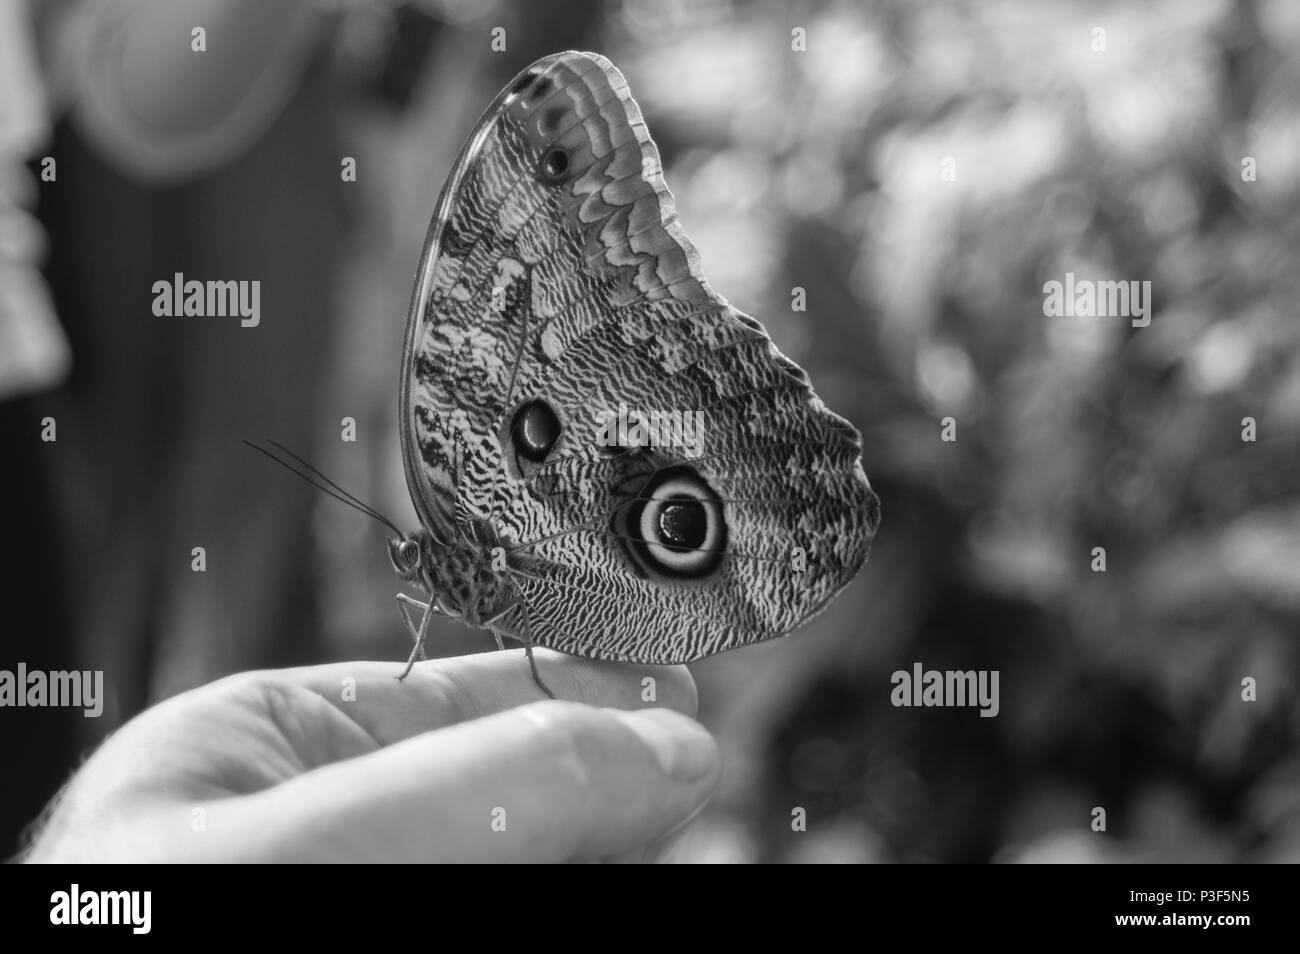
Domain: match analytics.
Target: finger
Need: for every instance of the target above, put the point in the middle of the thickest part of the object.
(349, 709)
(443, 692)
(546, 782)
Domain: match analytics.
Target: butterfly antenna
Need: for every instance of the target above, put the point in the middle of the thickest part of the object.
(351, 497)
(322, 483)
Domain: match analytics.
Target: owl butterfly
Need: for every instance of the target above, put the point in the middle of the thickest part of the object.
(556, 291)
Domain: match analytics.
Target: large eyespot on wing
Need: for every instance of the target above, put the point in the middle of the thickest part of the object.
(675, 527)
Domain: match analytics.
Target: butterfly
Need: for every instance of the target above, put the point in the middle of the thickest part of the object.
(557, 289)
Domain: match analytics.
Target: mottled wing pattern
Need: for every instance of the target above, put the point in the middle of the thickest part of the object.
(576, 286)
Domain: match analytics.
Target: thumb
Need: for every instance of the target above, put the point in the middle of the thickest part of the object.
(547, 782)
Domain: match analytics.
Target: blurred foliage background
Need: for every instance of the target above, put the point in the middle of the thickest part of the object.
(821, 169)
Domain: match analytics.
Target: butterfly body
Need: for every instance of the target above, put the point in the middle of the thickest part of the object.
(461, 577)
(556, 291)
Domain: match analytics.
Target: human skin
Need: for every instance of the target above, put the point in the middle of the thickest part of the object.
(460, 762)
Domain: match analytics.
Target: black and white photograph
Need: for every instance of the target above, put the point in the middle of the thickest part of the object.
(719, 432)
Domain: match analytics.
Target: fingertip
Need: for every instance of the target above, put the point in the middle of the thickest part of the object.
(684, 749)
(618, 685)
(640, 774)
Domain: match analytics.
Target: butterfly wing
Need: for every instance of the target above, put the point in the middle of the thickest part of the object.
(556, 271)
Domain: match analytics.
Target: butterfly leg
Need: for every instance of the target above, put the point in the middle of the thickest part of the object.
(404, 606)
(526, 635)
(526, 632)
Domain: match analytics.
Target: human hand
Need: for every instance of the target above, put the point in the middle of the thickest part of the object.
(458, 763)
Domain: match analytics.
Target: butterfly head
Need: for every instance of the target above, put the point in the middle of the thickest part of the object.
(407, 556)
(463, 577)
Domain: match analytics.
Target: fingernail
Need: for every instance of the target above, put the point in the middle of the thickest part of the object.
(684, 749)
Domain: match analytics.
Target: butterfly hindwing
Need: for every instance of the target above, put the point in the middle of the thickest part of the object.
(557, 275)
